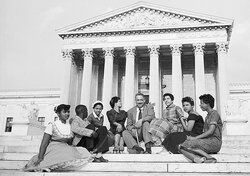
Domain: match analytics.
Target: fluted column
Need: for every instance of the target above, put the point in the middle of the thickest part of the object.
(176, 74)
(129, 86)
(67, 55)
(199, 75)
(154, 84)
(86, 77)
(223, 91)
(107, 81)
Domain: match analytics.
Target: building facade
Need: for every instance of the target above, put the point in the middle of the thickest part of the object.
(27, 112)
(140, 48)
(146, 48)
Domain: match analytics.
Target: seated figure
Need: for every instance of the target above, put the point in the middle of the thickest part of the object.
(170, 121)
(117, 118)
(193, 127)
(55, 153)
(139, 118)
(85, 134)
(198, 148)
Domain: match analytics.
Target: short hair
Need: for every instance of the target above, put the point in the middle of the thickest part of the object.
(81, 109)
(140, 94)
(113, 101)
(208, 99)
(97, 103)
(61, 107)
(170, 95)
(189, 100)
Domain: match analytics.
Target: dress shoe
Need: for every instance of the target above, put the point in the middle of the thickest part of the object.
(138, 149)
(103, 160)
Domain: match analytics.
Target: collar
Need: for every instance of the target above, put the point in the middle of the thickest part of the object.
(138, 109)
(81, 118)
(95, 116)
(170, 106)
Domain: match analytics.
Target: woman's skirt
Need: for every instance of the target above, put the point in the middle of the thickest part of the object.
(160, 128)
(60, 156)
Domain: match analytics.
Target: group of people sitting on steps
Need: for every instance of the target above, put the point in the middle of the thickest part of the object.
(69, 146)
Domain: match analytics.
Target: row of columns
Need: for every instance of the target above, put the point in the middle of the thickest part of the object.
(154, 89)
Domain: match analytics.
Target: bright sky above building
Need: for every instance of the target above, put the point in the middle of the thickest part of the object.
(30, 48)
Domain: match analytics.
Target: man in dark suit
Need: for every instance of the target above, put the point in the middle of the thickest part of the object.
(139, 118)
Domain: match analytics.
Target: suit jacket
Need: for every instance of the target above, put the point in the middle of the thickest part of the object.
(148, 114)
(78, 126)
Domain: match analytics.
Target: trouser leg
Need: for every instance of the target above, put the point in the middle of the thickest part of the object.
(102, 140)
(87, 142)
(129, 139)
(146, 135)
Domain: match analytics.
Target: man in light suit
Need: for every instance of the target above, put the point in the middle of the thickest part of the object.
(139, 118)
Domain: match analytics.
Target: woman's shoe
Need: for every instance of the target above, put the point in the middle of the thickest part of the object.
(103, 159)
(210, 160)
(96, 160)
(116, 149)
(199, 159)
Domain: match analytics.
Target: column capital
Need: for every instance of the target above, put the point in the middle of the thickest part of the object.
(176, 49)
(129, 50)
(153, 49)
(222, 47)
(67, 53)
(108, 52)
(87, 53)
(198, 48)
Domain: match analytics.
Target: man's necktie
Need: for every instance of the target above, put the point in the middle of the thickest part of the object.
(140, 114)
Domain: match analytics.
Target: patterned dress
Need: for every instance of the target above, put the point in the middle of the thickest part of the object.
(60, 156)
(211, 144)
(169, 123)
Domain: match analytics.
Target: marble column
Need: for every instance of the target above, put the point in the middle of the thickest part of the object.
(86, 77)
(176, 74)
(67, 55)
(199, 75)
(79, 84)
(154, 84)
(107, 82)
(73, 86)
(222, 84)
(129, 86)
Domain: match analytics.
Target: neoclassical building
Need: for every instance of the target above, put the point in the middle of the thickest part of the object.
(146, 48)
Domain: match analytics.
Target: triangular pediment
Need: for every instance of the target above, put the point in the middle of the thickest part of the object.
(144, 16)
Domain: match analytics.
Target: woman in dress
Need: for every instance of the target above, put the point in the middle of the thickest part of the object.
(117, 118)
(193, 127)
(170, 121)
(55, 153)
(199, 147)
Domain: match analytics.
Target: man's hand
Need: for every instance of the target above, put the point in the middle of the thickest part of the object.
(94, 134)
(138, 124)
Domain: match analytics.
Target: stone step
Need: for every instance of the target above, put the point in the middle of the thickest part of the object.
(149, 167)
(79, 173)
(158, 158)
(35, 149)
(39, 138)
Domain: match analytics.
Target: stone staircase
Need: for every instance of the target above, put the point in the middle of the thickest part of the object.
(233, 159)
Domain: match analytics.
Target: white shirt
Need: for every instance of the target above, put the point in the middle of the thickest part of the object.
(97, 117)
(137, 113)
(62, 128)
